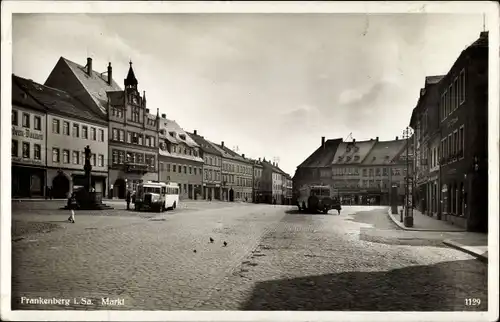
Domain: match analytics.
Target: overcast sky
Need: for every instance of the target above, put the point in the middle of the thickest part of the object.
(271, 84)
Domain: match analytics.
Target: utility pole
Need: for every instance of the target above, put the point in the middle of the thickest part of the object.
(408, 219)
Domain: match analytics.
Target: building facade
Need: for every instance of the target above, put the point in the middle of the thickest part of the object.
(289, 190)
(464, 138)
(272, 183)
(180, 159)
(29, 140)
(257, 195)
(212, 167)
(70, 127)
(132, 130)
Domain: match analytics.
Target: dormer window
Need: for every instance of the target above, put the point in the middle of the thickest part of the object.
(374, 158)
(348, 158)
(162, 132)
(340, 158)
(182, 136)
(356, 158)
(172, 133)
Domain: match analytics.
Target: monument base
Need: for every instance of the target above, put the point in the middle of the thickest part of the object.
(408, 221)
(89, 201)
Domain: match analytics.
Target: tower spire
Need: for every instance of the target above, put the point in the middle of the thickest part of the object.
(131, 81)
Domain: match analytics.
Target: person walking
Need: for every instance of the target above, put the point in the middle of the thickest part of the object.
(128, 200)
(72, 207)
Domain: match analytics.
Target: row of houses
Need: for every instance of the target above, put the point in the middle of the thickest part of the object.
(361, 172)
(450, 123)
(78, 107)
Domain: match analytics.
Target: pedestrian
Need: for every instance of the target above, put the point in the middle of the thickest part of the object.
(128, 200)
(50, 193)
(72, 207)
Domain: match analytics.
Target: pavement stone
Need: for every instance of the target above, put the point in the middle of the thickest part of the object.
(276, 259)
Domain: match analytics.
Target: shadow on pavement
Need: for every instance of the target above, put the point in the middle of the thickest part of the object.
(415, 288)
(300, 212)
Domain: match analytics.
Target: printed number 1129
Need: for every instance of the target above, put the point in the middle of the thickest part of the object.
(472, 302)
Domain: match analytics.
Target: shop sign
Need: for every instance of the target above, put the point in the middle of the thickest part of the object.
(27, 161)
(26, 133)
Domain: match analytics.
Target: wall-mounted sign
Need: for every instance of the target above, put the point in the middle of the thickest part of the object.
(28, 161)
(26, 133)
(452, 121)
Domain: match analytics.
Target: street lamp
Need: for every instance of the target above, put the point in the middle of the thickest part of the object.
(408, 219)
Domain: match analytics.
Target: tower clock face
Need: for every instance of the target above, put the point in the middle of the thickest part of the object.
(134, 100)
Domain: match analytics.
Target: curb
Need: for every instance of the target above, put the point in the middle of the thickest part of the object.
(402, 226)
(463, 248)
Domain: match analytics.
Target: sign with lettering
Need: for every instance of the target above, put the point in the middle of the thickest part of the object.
(26, 160)
(26, 133)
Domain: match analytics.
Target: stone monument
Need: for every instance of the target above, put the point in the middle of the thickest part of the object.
(87, 199)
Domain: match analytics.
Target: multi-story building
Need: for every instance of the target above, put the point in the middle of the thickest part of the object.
(317, 168)
(464, 138)
(180, 159)
(272, 183)
(70, 127)
(28, 143)
(425, 122)
(132, 130)
(237, 175)
(289, 190)
(257, 195)
(212, 167)
(361, 172)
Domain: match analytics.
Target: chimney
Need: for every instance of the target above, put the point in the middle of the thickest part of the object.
(164, 116)
(195, 132)
(89, 66)
(376, 139)
(397, 138)
(322, 141)
(259, 159)
(222, 143)
(243, 155)
(110, 74)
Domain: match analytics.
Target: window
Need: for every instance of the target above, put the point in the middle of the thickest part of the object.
(15, 148)
(135, 114)
(26, 120)
(114, 159)
(100, 160)
(76, 157)
(122, 135)
(462, 86)
(450, 101)
(185, 169)
(115, 134)
(174, 167)
(93, 134)
(129, 137)
(93, 159)
(441, 107)
(462, 139)
(82, 155)
(26, 150)
(140, 139)
(456, 144)
(14, 117)
(190, 170)
(65, 128)
(37, 151)
(449, 145)
(85, 132)
(101, 135)
(66, 156)
(55, 155)
(76, 130)
(55, 126)
(455, 94)
(38, 123)
(168, 167)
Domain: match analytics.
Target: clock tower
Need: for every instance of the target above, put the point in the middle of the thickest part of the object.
(132, 94)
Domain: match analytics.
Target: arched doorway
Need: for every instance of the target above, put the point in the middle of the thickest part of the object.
(119, 188)
(60, 186)
(231, 195)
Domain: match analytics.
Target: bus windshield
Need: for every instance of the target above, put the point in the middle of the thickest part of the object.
(152, 190)
(323, 192)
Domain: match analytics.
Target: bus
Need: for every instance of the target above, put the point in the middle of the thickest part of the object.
(155, 195)
(318, 198)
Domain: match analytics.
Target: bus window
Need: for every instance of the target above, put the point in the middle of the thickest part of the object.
(163, 190)
(176, 191)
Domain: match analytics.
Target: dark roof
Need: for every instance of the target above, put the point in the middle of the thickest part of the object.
(431, 80)
(130, 80)
(21, 97)
(384, 152)
(116, 97)
(482, 41)
(322, 157)
(352, 152)
(57, 101)
(273, 167)
(231, 154)
(204, 144)
(96, 84)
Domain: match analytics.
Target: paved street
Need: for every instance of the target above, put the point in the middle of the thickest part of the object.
(276, 259)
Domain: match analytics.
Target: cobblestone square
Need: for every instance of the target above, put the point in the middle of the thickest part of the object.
(275, 259)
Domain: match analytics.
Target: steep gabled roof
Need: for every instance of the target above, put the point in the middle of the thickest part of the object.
(384, 152)
(175, 134)
(96, 84)
(21, 97)
(57, 101)
(206, 146)
(323, 156)
(352, 152)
